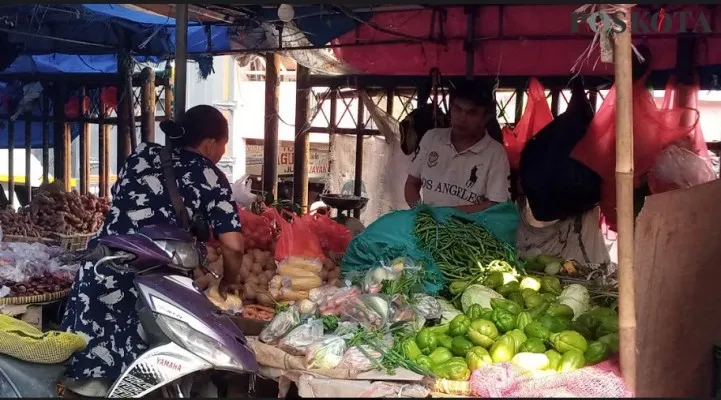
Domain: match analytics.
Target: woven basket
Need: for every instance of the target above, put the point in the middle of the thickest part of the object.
(73, 242)
(37, 299)
(26, 239)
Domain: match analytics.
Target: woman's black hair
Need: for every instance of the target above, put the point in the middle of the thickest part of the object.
(476, 92)
(199, 123)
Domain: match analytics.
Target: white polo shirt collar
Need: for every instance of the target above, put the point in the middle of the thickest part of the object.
(477, 148)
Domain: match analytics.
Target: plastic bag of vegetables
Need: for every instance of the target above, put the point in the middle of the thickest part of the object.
(367, 310)
(335, 303)
(392, 271)
(297, 341)
(297, 240)
(257, 231)
(281, 324)
(426, 306)
(326, 353)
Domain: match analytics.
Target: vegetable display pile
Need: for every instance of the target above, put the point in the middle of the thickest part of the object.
(463, 250)
(359, 327)
(534, 323)
(263, 281)
(52, 212)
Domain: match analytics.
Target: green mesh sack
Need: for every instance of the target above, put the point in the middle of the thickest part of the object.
(391, 236)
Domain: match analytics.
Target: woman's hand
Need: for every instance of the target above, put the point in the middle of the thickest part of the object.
(232, 246)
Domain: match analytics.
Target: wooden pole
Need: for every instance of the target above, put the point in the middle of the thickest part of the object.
(181, 59)
(84, 175)
(168, 91)
(28, 157)
(124, 109)
(270, 140)
(46, 137)
(147, 105)
(358, 179)
(11, 163)
(624, 202)
(301, 151)
(104, 151)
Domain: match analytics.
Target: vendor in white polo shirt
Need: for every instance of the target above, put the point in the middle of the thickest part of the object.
(461, 166)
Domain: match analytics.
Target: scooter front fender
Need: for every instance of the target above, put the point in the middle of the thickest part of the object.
(156, 368)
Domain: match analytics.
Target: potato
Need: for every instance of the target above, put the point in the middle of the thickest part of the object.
(253, 279)
(247, 261)
(250, 291)
(244, 273)
(257, 269)
(270, 265)
(324, 275)
(197, 273)
(328, 264)
(334, 274)
(264, 299)
(269, 274)
(334, 282)
(263, 280)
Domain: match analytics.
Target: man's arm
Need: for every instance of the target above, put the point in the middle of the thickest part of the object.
(412, 190)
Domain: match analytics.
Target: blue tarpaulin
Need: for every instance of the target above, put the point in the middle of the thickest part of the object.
(87, 38)
(105, 29)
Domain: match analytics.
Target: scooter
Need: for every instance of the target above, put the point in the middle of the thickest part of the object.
(187, 335)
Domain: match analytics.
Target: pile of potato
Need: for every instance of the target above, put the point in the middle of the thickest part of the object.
(257, 269)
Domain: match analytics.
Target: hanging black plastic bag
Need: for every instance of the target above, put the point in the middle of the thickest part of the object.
(557, 186)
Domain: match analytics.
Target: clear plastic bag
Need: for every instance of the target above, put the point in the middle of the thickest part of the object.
(334, 304)
(321, 294)
(326, 353)
(678, 168)
(297, 341)
(363, 358)
(282, 323)
(21, 262)
(427, 306)
(241, 192)
(393, 270)
(346, 329)
(367, 310)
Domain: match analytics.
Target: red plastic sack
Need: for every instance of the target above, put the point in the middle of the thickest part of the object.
(654, 129)
(679, 168)
(296, 239)
(696, 141)
(334, 237)
(536, 115)
(257, 230)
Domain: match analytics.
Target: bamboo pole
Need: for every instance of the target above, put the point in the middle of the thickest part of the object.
(624, 202)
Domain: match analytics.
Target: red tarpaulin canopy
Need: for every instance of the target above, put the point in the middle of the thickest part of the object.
(528, 40)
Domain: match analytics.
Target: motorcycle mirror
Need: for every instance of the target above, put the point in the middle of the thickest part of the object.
(199, 228)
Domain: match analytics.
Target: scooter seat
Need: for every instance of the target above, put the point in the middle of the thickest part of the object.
(23, 379)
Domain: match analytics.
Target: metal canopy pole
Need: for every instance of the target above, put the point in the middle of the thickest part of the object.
(469, 46)
(181, 59)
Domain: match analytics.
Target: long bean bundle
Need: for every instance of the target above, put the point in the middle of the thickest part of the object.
(461, 249)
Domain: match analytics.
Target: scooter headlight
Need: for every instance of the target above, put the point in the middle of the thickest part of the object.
(199, 344)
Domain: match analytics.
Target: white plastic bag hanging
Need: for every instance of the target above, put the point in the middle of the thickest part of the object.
(242, 193)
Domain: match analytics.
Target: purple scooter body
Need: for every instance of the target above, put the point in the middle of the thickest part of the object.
(196, 335)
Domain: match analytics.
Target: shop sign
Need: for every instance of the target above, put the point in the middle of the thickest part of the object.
(317, 163)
